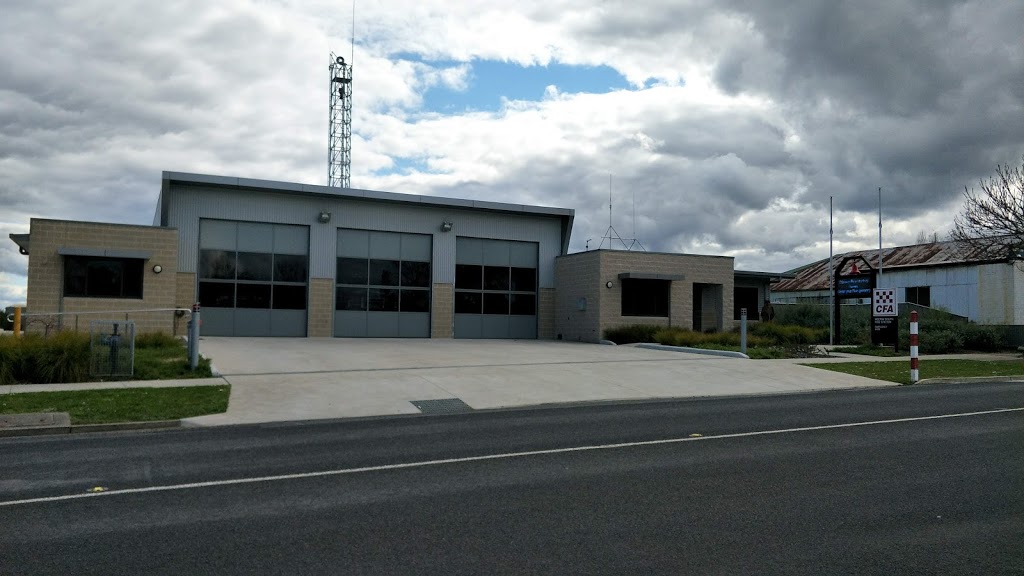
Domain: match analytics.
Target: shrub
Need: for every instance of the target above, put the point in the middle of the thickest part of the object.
(65, 358)
(809, 315)
(36, 359)
(785, 334)
(8, 359)
(631, 333)
(982, 338)
(156, 340)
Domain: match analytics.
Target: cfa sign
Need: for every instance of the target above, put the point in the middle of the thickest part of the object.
(883, 302)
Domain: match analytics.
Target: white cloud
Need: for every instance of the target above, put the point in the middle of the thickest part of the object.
(743, 120)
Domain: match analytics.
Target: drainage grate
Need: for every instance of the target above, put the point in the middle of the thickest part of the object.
(442, 406)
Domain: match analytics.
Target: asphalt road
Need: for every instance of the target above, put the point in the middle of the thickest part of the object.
(926, 479)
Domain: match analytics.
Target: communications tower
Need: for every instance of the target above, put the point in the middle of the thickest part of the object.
(339, 141)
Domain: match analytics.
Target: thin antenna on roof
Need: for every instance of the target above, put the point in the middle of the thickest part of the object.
(611, 235)
(352, 56)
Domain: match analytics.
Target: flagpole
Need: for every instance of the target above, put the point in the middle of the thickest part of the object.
(831, 288)
(879, 236)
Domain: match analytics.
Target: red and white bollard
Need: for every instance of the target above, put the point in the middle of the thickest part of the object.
(914, 374)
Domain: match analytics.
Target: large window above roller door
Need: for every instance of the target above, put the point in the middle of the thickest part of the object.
(254, 280)
(381, 285)
(496, 290)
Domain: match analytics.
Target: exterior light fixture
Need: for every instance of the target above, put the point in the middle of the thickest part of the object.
(157, 269)
(324, 217)
(446, 226)
(608, 284)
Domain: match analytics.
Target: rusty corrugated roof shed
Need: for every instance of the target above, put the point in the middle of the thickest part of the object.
(814, 276)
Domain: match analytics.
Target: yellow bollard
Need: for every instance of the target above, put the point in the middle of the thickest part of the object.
(17, 321)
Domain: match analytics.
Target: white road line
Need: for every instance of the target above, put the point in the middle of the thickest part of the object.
(421, 464)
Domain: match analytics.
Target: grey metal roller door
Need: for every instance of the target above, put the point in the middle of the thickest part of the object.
(495, 288)
(253, 278)
(382, 285)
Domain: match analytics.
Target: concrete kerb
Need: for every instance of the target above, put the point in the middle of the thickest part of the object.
(88, 428)
(723, 353)
(969, 380)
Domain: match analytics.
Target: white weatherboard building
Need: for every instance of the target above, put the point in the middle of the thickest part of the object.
(986, 289)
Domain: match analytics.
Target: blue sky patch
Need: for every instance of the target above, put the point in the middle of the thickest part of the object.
(490, 81)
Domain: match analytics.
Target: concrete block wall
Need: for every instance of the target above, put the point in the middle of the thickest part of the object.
(442, 311)
(320, 321)
(546, 314)
(586, 274)
(578, 279)
(46, 275)
(696, 269)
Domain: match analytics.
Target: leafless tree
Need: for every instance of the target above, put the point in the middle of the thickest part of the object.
(991, 223)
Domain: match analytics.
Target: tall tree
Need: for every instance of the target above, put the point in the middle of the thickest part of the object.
(991, 223)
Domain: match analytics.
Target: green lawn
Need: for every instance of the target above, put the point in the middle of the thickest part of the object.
(871, 350)
(167, 363)
(895, 371)
(122, 405)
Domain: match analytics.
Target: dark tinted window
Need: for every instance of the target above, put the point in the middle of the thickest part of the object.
(384, 272)
(216, 295)
(921, 295)
(496, 303)
(90, 277)
(524, 280)
(254, 266)
(495, 278)
(290, 268)
(383, 300)
(253, 295)
(289, 297)
(416, 274)
(468, 276)
(645, 297)
(353, 271)
(217, 264)
(415, 301)
(350, 299)
(467, 302)
(523, 304)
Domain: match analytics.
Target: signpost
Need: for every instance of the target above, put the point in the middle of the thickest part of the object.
(884, 317)
(856, 284)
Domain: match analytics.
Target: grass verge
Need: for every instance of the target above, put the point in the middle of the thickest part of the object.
(122, 404)
(872, 350)
(899, 372)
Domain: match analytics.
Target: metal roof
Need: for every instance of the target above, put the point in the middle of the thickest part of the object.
(814, 276)
(22, 240)
(357, 194)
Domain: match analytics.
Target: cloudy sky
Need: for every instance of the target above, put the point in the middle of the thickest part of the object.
(731, 122)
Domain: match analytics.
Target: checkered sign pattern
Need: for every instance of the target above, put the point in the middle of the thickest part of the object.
(883, 302)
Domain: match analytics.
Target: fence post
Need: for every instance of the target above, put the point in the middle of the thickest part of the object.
(914, 374)
(17, 321)
(193, 338)
(743, 330)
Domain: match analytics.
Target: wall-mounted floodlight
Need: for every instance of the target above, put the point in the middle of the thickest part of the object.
(324, 217)
(608, 284)
(157, 269)
(446, 226)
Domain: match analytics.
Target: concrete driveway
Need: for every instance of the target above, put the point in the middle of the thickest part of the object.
(277, 379)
